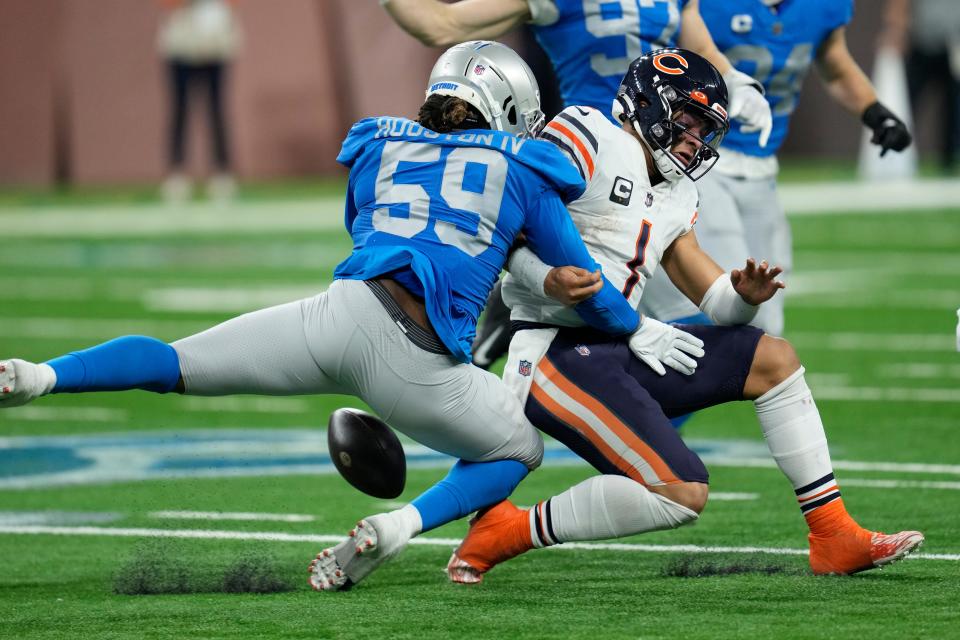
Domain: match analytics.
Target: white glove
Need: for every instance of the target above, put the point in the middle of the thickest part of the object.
(660, 344)
(748, 105)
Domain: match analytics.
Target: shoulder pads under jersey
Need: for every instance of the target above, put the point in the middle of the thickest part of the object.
(575, 131)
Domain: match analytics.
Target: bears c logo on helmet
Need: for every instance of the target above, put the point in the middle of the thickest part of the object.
(659, 61)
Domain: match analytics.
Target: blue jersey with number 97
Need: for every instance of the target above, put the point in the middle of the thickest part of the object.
(776, 47)
(439, 212)
(592, 42)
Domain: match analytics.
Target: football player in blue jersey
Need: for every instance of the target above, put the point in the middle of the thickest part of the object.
(775, 42)
(433, 207)
(590, 43)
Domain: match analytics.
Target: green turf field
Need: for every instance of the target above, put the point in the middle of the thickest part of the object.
(111, 494)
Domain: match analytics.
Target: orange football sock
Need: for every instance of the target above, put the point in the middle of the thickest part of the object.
(496, 535)
(830, 519)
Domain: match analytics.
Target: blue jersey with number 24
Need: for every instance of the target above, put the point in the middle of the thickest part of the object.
(439, 212)
(776, 48)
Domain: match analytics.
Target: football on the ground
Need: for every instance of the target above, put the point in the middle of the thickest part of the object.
(367, 453)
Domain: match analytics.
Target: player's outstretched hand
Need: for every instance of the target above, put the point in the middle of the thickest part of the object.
(756, 283)
(889, 131)
(572, 285)
(660, 344)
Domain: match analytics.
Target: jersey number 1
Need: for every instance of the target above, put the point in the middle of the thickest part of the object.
(638, 259)
(477, 211)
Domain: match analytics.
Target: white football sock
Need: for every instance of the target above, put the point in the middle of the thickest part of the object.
(794, 433)
(22, 382)
(409, 520)
(604, 507)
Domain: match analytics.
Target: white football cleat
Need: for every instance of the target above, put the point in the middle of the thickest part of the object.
(371, 543)
(460, 571)
(22, 382)
(893, 547)
(854, 550)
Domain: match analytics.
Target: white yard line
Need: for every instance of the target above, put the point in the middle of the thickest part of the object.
(869, 197)
(229, 515)
(71, 414)
(894, 263)
(919, 371)
(926, 299)
(888, 394)
(883, 342)
(246, 404)
(48, 328)
(204, 299)
(899, 484)
(732, 496)
(843, 465)
(158, 220)
(206, 534)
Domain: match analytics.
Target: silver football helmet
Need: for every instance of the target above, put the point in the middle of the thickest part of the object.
(493, 78)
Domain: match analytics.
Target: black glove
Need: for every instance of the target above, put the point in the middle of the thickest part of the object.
(889, 131)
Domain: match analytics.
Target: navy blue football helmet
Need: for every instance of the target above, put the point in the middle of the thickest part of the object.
(671, 93)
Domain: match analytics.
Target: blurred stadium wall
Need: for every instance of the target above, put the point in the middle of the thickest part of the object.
(83, 94)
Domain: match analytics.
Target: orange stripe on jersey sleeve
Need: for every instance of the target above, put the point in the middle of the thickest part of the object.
(612, 422)
(562, 130)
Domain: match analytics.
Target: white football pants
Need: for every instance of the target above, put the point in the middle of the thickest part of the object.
(343, 341)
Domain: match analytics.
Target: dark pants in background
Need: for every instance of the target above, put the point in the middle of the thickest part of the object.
(188, 80)
(926, 68)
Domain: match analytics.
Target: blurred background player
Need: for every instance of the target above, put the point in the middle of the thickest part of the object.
(775, 42)
(590, 44)
(927, 34)
(198, 39)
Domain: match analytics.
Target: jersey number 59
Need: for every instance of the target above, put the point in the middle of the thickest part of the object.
(470, 215)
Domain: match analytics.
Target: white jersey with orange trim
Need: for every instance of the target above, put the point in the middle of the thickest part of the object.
(625, 222)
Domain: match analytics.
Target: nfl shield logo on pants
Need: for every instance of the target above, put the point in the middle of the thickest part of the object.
(582, 350)
(525, 367)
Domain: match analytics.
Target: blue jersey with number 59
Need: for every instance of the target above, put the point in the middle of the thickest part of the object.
(438, 213)
(592, 42)
(776, 47)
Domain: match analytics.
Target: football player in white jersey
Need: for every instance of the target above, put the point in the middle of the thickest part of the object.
(588, 390)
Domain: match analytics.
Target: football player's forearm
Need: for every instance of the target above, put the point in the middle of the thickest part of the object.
(438, 24)
(557, 243)
(845, 81)
(695, 36)
(689, 267)
(853, 91)
(608, 311)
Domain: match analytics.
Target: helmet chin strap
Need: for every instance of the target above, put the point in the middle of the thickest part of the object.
(667, 168)
(665, 165)
(670, 171)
